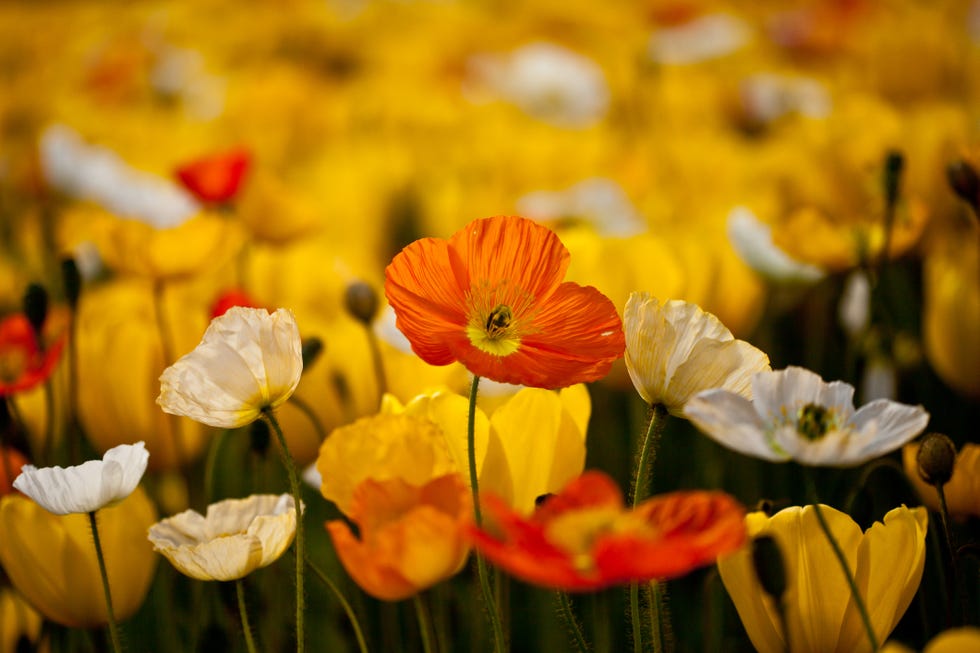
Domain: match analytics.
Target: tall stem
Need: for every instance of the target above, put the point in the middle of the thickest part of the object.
(953, 589)
(243, 613)
(344, 603)
(113, 628)
(641, 488)
(481, 565)
(287, 461)
(167, 351)
(425, 623)
(571, 622)
(842, 559)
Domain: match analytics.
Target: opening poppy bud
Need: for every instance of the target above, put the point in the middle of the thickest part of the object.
(361, 302)
(259, 436)
(72, 280)
(36, 307)
(894, 164)
(766, 506)
(965, 182)
(311, 349)
(768, 562)
(936, 458)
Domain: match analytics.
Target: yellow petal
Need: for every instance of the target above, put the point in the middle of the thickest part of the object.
(889, 568)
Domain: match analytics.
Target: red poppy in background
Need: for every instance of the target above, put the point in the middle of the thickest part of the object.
(231, 298)
(492, 298)
(11, 461)
(216, 178)
(585, 539)
(23, 363)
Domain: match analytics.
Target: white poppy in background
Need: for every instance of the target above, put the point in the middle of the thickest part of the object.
(547, 81)
(236, 537)
(752, 241)
(795, 415)
(675, 350)
(248, 361)
(88, 487)
(707, 37)
(598, 201)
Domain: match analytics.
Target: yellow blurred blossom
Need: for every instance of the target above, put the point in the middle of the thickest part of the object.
(51, 560)
(963, 489)
(887, 561)
(18, 620)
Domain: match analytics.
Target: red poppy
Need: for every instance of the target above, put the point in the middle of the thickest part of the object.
(23, 364)
(216, 178)
(492, 298)
(231, 298)
(11, 461)
(585, 539)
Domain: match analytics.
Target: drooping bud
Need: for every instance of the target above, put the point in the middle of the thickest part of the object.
(965, 182)
(936, 457)
(71, 278)
(361, 301)
(894, 164)
(769, 568)
(311, 349)
(36, 307)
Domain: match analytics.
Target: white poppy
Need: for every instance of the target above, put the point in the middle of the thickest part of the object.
(752, 241)
(88, 487)
(675, 350)
(795, 415)
(247, 362)
(236, 537)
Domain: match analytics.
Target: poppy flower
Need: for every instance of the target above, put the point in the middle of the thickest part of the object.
(51, 560)
(88, 487)
(216, 178)
(409, 537)
(248, 361)
(962, 492)
(492, 298)
(887, 560)
(231, 298)
(234, 538)
(23, 363)
(584, 538)
(675, 350)
(795, 415)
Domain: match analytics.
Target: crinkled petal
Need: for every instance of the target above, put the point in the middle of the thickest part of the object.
(730, 420)
(883, 426)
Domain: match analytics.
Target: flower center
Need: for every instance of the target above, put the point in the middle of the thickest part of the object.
(496, 333)
(814, 421)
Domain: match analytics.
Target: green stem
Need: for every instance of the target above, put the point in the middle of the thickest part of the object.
(481, 565)
(113, 628)
(953, 588)
(571, 622)
(425, 623)
(246, 628)
(74, 423)
(167, 351)
(344, 603)
(49, 429)
(287, 461)
(210, 465)
(842, 559)
(641, 488)
(377, 361)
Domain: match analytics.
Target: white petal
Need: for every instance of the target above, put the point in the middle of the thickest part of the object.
(883, 426)
(752, 241)
(730, 420)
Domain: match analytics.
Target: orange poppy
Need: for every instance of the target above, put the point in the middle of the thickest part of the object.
(216, 178)
(24, 364)
(492, 298)
(585, 539)
(231, 298)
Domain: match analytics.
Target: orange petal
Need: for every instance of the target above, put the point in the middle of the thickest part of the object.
(215, 178)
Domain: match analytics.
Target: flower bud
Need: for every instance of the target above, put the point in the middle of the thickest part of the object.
(311, 349)
(965, 182)
(936, 457)
(72, 280)
(768, 562)
(36, 307)
(894, 164)
(361, 302)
